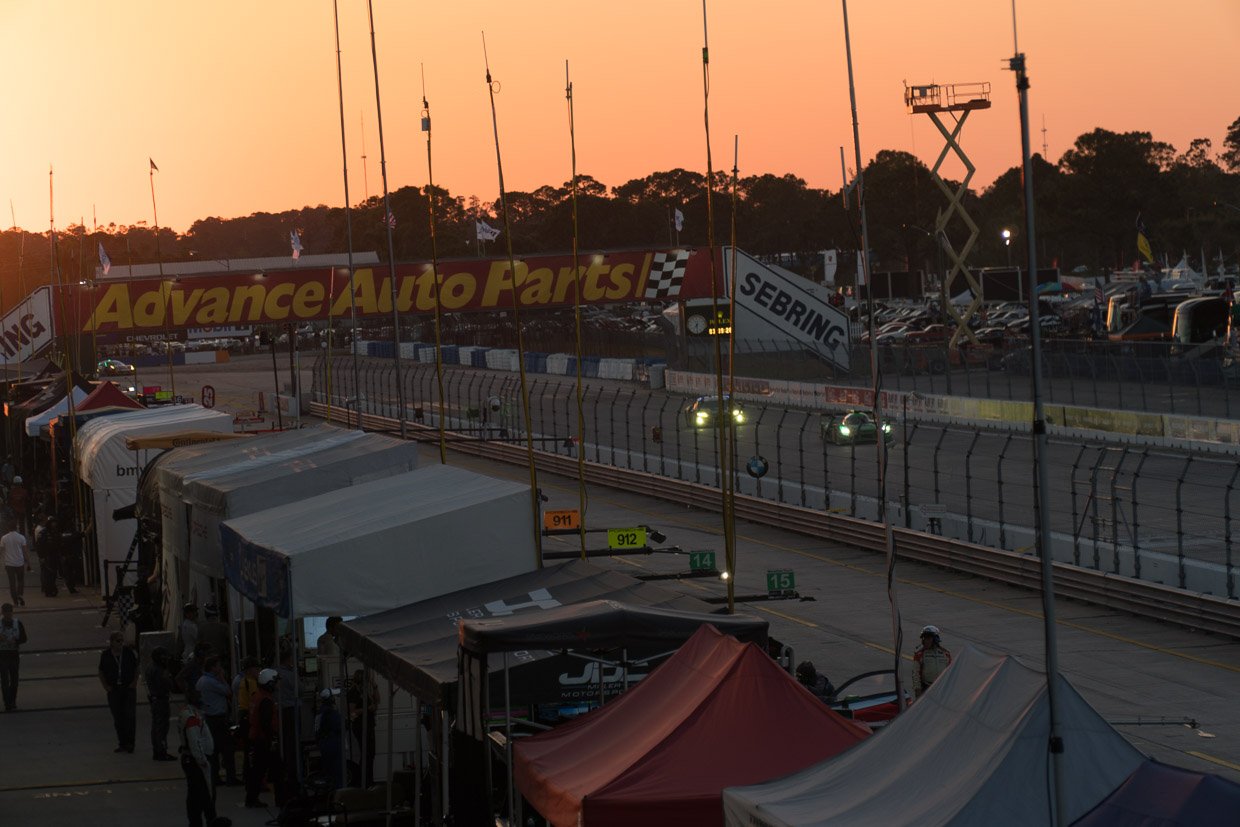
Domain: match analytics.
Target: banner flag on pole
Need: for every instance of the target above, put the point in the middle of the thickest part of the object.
(295, 241)
(391, 220)
(104, 261)
(1143, 242)
(680, 220)
(485, 231)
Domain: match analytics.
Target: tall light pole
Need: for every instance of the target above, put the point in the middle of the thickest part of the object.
(1054, 735)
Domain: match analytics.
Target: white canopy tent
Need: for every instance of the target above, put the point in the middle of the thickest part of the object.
(112, 471)
(39, 421)
(381, 544)
(971, 751)
(205, 485)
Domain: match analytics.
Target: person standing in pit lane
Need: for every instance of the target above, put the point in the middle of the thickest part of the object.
(118, 672)
(159, 686)
(12, 637)
(930, 660)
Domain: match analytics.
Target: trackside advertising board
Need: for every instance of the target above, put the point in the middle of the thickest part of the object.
(27, 328)
(284, 296)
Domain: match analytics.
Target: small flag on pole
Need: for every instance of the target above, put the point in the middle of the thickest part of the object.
(680, 220)
(391, 220)
(295, 241)
(485, 231)
(1099, 296)
(104, 261)
(1143, 241)
(153, 167)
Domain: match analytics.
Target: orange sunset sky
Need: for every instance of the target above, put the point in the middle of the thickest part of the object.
(236, 101)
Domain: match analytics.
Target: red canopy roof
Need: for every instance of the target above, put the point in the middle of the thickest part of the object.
(106, 395)
(717, 714)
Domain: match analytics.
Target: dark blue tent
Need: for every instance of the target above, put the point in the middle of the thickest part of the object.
(1158, 795)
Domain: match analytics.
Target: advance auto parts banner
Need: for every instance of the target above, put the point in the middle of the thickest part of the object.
(285, 296)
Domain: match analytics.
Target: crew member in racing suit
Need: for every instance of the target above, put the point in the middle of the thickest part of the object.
(263, 742)
(197, 747)
(930, 660)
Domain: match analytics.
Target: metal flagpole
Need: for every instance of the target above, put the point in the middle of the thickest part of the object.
(163, 287)
(389, 222)
(897, 633)
(724, 408)
(21, 276)
(1055, 745)
(581, 422)
(430, 209)
(731, 282)
(348, 220)
(516, 317)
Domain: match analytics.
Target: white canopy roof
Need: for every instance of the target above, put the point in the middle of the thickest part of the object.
(35, 423)
(382, 544)
(971, 751)
(226, 480)
(112, 470)
(105, 463)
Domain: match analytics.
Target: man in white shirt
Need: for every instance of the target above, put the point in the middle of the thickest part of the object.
(16, 564)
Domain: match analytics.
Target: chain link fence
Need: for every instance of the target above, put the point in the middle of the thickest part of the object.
(1156, 514)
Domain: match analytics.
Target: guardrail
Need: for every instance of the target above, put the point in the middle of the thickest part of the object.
(1196, 611)
(1142, 511)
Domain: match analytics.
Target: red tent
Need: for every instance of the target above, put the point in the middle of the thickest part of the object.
(718, 713)
(106, 395)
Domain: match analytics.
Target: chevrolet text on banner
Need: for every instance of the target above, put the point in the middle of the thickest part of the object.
(303, 294)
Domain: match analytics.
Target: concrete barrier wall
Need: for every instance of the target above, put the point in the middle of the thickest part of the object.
(1167, 430)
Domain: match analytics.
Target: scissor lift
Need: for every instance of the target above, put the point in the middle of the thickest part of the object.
(956, 100)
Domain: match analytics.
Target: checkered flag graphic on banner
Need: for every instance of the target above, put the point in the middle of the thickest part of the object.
(667, 271)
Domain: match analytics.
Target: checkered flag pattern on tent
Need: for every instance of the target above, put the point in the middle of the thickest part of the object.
(124, 606)
(667, 271)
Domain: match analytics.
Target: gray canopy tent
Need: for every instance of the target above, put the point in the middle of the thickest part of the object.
(971, 752)
(416, 647)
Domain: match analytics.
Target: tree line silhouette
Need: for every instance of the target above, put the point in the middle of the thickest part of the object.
(1087, 206)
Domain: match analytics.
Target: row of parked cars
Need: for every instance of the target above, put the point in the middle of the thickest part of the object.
(921, 326)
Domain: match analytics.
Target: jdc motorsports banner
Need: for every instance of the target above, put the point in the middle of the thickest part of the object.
(293, 295)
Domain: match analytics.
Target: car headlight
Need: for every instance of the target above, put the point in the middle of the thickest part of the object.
(702, 416)
(886, 427)
(845, 430)
(738, 416)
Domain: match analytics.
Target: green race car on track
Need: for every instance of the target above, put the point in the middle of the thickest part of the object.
(854, 428)
(704, 411)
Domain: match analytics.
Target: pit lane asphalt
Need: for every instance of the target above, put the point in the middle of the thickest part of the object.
(57, 767)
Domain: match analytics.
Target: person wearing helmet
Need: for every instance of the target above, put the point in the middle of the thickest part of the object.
(159, 686)
(264, 742)
(816, 683)
(930, 660)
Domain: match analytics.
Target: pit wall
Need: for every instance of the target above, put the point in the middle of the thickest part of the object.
(1164, 430)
